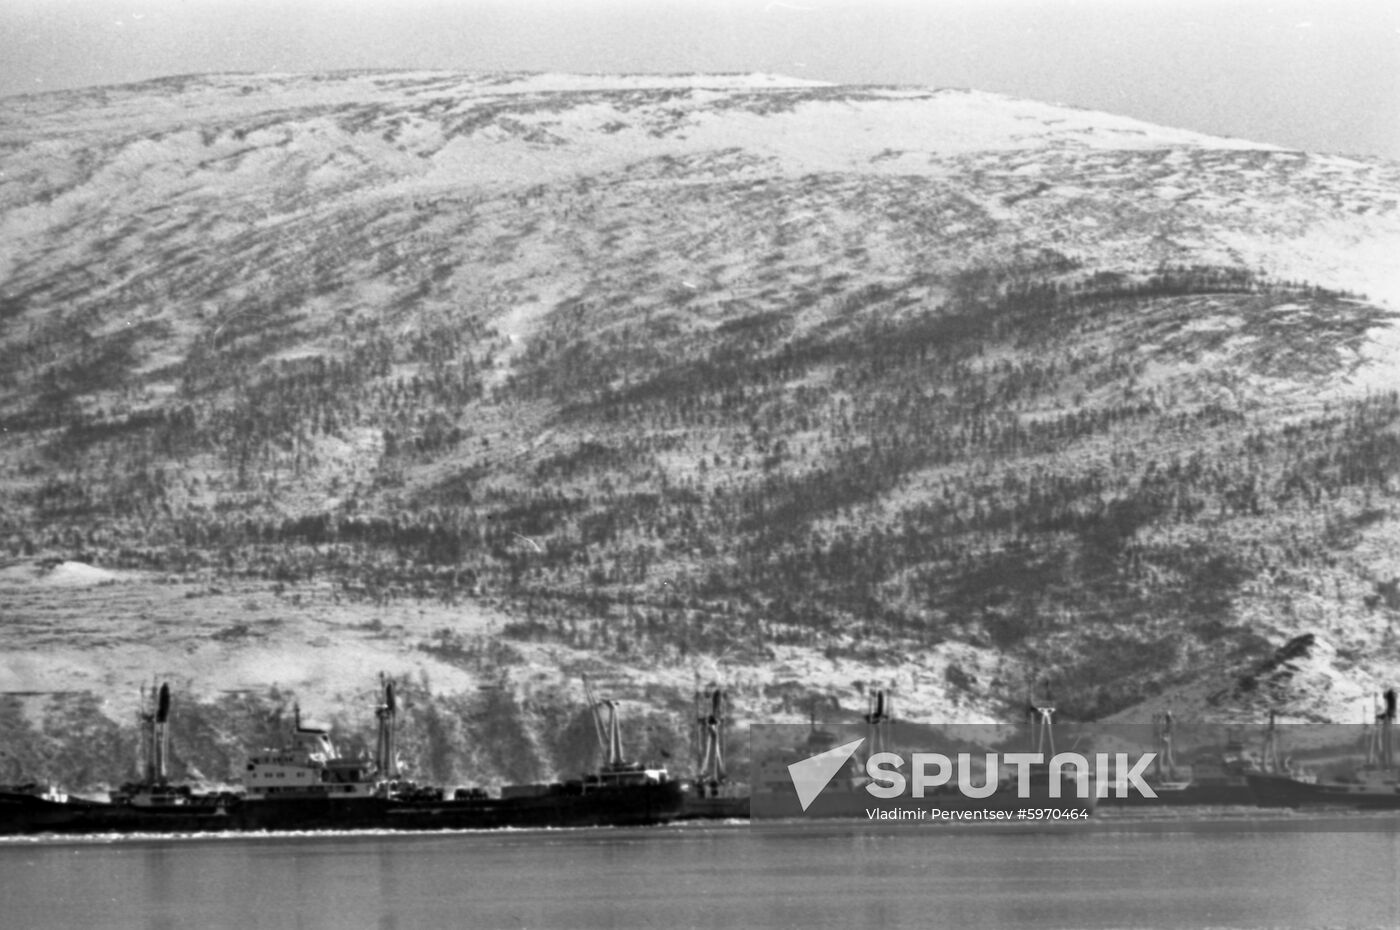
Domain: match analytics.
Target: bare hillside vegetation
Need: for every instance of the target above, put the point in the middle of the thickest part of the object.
(491, 382)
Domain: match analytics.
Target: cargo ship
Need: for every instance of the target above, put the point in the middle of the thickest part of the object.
(1211, 779)
(1373, 785)
(307, 785)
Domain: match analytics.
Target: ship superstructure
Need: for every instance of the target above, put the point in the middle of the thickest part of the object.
(310, 767)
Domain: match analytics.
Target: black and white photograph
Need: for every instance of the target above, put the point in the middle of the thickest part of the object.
(697, 464)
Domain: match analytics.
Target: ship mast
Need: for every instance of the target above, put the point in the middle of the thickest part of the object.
(1164, 727)
(614, 735)
(1387, 719)
(1372, 724)
(711, 730)
(593, 705)
(879, 718)
(609, 733)
(386, 754)
(1270, 760)
(162, 736)
(1041, 718)
(155, 735)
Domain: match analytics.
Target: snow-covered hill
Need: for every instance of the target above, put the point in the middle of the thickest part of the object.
(792, 385)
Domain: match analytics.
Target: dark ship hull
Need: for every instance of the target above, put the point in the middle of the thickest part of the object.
(20, 816)
(1286, 791)
(696, 807)
(567, 805)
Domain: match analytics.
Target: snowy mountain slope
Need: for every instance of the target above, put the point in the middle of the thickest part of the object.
(796, 385)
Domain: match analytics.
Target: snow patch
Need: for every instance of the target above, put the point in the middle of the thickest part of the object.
(78, 575)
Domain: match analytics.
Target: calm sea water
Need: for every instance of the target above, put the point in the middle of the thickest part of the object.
(1252, 874)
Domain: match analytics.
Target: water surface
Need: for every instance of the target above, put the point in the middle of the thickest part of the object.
(1263, 874)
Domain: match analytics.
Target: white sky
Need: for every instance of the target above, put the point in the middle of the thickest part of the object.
(1322, 75)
